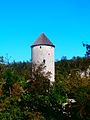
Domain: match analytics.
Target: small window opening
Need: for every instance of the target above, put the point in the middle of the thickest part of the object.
(48, 53)
(40, 47)
(44, 61)
(89, 73)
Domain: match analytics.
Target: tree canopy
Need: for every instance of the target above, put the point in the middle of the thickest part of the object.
(28, 95)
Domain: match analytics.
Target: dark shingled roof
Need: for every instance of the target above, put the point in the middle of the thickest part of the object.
(42, 40)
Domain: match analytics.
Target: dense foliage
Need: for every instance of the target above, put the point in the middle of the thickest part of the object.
(30, 96)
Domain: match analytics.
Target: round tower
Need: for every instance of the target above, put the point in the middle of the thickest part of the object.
(43, 52)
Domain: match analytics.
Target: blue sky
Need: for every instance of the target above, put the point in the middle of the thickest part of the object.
(65, 22)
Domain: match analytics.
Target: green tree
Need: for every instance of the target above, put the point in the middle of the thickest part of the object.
(7, 87)
(87, 49)
(1, 59)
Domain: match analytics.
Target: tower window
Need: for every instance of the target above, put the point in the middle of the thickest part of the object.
(89, 73)
(43, 60)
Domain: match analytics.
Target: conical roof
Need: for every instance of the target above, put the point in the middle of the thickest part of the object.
(42, 40)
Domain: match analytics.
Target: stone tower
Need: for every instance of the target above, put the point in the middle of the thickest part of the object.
(43, 52)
